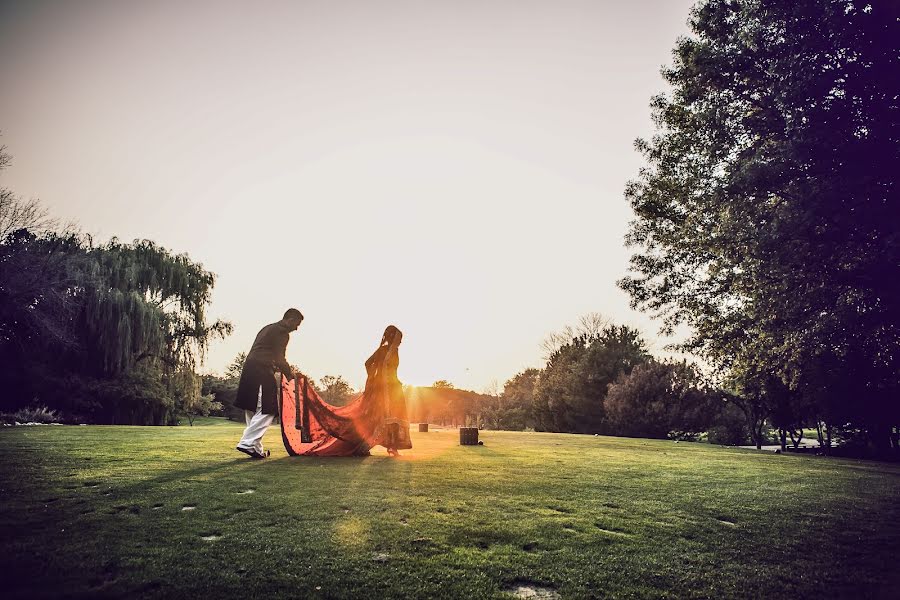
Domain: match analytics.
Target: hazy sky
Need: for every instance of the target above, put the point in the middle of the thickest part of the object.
(452, 167)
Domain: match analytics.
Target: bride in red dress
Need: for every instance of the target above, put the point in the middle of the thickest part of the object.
(377, 417)
(392, 429)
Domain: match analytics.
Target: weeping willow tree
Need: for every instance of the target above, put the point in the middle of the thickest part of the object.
(144, 303)
(147, 306)
(105, 331)
(111, 331)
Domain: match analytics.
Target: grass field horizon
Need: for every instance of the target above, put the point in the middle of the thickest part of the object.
(113, 511)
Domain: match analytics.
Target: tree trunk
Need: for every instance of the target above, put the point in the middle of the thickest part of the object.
(880, 438)
(759, 429)
(783, 434)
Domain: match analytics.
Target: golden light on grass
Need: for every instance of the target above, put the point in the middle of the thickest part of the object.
(351, 532)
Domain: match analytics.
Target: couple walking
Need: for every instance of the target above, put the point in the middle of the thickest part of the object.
(377, 417)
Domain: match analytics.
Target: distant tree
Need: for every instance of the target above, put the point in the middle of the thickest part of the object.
(233, 371)
(516, 401)
(138, 396)
(660, 400)
(729, 427)
(492, 388)
(95, 312)
(18, 214)
(588, 325)
(766, 215)
(442, 384)
(224, 388)
(570, 392)
(189, 399)
(764, 400)
(489, 409)
(334, 390)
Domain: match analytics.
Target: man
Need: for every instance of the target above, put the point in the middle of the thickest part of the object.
(257, 390)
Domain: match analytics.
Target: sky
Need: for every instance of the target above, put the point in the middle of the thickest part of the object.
(456, 168)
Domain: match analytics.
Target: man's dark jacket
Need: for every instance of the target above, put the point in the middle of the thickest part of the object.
(265, 356)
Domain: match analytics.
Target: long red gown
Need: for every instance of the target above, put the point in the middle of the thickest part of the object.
(312, 427)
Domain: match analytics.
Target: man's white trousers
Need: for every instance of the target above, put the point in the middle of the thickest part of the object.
(257, 424)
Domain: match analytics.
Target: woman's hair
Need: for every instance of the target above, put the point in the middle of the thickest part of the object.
(390, 333)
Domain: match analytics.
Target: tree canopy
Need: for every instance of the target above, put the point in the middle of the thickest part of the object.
(570, 392)
(766, 214)
(71, 308)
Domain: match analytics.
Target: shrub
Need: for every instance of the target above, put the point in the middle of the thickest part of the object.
(37, 414)
(730, 428)
(659, 400)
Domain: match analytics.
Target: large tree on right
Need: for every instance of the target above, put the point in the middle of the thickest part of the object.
(767, 214)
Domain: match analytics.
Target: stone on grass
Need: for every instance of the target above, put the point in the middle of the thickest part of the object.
(532, 591)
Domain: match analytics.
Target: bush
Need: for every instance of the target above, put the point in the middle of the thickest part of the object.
(35, 414)
(730, 428)
(659, 400)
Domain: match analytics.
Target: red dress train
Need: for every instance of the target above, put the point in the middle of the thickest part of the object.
(312, 427)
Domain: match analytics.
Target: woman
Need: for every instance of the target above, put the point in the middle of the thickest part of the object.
(375, 417)
(383, 385)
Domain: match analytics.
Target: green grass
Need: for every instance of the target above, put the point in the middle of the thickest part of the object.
(97, 511)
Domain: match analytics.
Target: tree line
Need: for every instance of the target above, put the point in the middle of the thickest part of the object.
(600, 378)
(104, 333)
(765, 221)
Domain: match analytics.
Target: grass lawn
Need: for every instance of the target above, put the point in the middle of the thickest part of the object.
(177, 512)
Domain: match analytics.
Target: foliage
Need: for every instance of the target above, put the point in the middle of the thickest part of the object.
(660, 400)
(570, 392)
(224, 388)
(334, 390)
(511, 410)
(442, 384)
(105, 315)
(191, 402)
(729, 428)
(445, 406)
(33, 414)
(136, 397)
(233, 372)
(589, 325)
(766, 215)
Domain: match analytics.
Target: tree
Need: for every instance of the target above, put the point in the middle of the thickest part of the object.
(109, 314)
(516, 401)
(660, 400)
(334, 390)
(233, 371)
(190, 401)
(17, 214)
(145, 303)
(570, 392)
(765, 218)
(588, 325)
(442, 384)
(729, 426)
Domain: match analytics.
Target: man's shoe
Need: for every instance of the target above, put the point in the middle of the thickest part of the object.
(251, 452)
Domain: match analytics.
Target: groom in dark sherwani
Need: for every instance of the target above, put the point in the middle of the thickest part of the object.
(257, 390)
